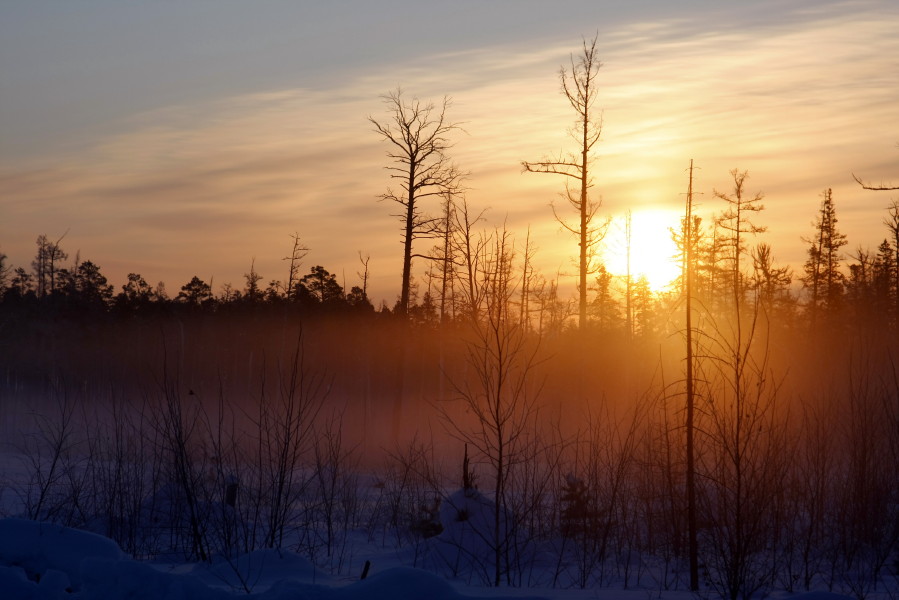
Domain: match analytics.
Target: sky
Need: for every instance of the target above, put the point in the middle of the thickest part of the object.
(195, 138)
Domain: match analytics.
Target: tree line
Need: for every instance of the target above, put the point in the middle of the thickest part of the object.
(833, 286)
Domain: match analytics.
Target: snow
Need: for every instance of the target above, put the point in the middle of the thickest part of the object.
(47, 561)
(44, 561)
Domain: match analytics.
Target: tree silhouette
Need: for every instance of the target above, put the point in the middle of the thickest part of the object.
(822, 269)
(579, 87)
(88, 287)
(419, 137)
(195, 292)
(135, 294)
(892, 224)
(771, 283)
(45, 264)
(735, 222)
(5, 270)
(322, 287)
(252, 292)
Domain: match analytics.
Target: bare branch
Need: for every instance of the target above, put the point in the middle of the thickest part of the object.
(877, 188)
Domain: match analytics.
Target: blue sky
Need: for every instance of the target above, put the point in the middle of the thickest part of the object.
(188, 138)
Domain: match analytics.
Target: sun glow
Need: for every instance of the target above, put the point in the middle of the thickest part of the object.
(652, 251)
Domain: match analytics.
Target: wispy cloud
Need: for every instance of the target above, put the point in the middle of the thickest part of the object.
(203, 189)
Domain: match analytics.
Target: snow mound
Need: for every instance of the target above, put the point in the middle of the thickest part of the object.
(114, 580)
(48, 554)
(42, 561)
(465, 550)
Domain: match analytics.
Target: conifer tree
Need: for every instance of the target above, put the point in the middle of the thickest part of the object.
(823, 277)
(734, 221)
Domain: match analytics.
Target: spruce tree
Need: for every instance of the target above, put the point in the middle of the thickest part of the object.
(823, 277)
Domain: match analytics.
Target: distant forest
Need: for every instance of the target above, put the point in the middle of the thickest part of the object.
(837, 291)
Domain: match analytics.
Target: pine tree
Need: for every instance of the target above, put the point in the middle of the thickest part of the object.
(823, 277)
(771, 283)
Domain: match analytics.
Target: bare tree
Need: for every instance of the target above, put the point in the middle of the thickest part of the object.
(527, 280)
(419, 137)
(49, 255)
(629, 287)
(444, 254)
(734, 220)
(500, 394)
(297, 254)
(579, 87)
(364, 274)
(470, 249)
(742, 462)
(689, 244)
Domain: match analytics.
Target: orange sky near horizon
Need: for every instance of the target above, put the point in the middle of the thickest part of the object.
(204, 188)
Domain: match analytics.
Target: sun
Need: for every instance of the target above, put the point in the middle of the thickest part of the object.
(652, 251)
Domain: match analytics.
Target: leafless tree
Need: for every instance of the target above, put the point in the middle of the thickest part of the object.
(580, 89)
(527, 281)
(418, 134)
(629, 287)
(500, 394)
(46, 263)
(689, 247)
(735, 223)
(296, 259)
(469, 248)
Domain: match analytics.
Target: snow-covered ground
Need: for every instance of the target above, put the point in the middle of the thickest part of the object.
(43, 561)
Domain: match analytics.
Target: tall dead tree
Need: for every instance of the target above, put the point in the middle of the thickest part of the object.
(418, 134)
(364, 274)
(296, 260)
(689, 241)
(470, 248)
(735, 223)
(629, 288)
(579, 88)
